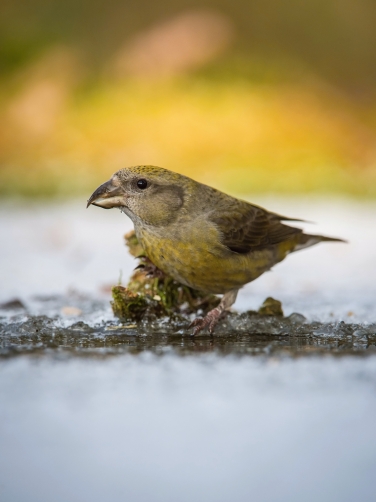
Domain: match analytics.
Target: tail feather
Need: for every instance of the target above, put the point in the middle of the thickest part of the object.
(307, 240)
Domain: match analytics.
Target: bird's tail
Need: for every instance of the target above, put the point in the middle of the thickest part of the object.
(307, 240)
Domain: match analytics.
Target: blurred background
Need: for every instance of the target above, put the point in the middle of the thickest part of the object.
(274, 101)
(251, 97)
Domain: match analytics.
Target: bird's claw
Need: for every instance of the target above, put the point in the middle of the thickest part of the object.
(209, 321)
(155, 274)
(150, 270)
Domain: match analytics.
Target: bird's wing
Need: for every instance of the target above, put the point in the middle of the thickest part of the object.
(245, 227)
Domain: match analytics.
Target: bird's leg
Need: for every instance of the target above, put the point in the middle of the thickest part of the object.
(213, 316)
(150, 270)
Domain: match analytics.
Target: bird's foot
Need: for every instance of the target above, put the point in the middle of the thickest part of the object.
(209, 321)
(149, 269)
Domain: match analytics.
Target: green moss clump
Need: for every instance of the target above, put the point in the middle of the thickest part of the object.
(159, 297)
(126, 304)
(133, 306)
(271, 307)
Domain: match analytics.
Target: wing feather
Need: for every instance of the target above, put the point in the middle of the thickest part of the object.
(245, 227)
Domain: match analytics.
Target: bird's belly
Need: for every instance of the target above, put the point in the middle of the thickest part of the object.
(200, 268)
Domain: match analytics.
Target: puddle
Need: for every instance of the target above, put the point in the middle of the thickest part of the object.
(91, 334)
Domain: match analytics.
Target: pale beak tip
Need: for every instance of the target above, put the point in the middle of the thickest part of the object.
(106, 196)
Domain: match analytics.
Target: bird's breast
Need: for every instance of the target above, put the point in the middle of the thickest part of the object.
(195, 257)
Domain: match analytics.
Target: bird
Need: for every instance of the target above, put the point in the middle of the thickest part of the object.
(200, 236)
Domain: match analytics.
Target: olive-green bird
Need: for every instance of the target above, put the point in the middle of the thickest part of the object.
(198, 235)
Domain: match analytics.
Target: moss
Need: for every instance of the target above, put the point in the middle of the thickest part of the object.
(159, 297)
(271, 307)
(126, 304)
(134, 306)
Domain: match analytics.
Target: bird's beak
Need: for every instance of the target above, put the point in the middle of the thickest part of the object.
(107, 196)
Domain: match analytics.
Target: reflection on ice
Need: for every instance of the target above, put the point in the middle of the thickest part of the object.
(95, 333)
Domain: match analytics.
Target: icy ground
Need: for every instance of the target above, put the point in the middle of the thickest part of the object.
(92, 411)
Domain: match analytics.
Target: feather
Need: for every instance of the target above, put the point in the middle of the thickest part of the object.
(245, 227)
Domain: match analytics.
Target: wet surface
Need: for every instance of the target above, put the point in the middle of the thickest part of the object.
(244, 333)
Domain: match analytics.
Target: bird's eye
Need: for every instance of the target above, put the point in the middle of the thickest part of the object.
(142, 184)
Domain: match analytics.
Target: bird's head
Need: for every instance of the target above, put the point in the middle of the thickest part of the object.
(149, 194)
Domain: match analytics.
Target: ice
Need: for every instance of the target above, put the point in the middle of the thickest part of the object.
(246, 333)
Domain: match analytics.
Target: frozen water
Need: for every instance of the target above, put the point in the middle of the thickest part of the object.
(237, 334)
